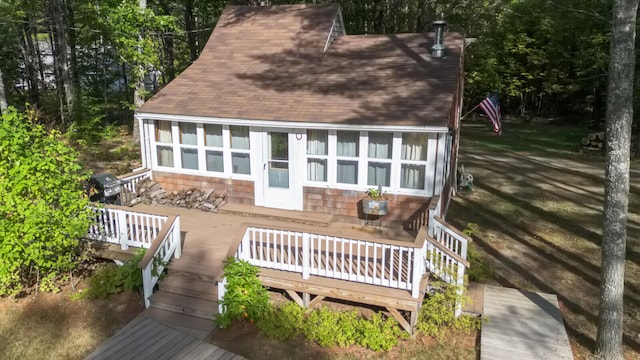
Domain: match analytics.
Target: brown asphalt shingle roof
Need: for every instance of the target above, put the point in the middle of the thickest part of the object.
(266, 63)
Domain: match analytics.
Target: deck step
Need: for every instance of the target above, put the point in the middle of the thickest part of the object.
(299, 217)
(181, 268)
(195, 326)
(182, 304)
(192, 287)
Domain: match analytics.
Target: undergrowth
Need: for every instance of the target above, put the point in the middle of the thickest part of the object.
(111, 279)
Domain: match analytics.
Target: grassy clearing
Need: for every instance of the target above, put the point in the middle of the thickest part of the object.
(538, 206)
(530, 137)
(51, 326)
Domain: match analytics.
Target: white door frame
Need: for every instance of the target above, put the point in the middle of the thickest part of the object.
(280, 198)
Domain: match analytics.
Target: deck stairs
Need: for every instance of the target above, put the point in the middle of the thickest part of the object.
(187, 296)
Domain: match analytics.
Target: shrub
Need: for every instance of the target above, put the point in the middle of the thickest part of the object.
(438, 311)
(380, 333)
(283, 322)
(111, 279)
(43, 210)
(245, 298)
(328, 328)
(106, 281)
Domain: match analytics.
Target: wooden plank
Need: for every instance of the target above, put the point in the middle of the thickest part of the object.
(316, 300)
(142, 342)
(341, 289)
(295, 297)
(135, 326)
(115, 345)
(522, 325)
(187, 342)
(401, 320)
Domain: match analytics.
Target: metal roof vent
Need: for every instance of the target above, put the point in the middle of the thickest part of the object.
(438, 49)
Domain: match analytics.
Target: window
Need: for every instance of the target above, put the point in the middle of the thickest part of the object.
(188, 146)
(239, 139)
(347, 157)
(317, 146)
(164, 136)
(214, 147)
(413, 160)
(379, 153)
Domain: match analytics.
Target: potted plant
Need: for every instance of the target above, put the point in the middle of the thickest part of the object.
(375, 203)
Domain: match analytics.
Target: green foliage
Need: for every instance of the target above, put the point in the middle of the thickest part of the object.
(245, 298)
(380, 333)
(140, 52)
(437, 314)
(43, 210)
(328, 328)
(111, 279)
(282, 322)
(331, 328)
(478, 270)
(105, 282)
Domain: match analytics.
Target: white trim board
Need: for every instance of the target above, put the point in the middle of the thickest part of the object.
(291, 124)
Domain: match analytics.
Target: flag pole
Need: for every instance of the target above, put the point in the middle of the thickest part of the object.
(469, 112)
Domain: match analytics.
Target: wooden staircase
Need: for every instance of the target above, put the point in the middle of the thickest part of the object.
(187, 298)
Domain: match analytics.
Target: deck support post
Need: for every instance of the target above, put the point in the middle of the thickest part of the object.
(122, 229)
(306, 256)
(401, 320)
(306, 299)
(295, 297)
(177, 237)
(418, 271)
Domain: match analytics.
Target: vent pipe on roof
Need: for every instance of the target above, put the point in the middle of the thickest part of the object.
(438, 50)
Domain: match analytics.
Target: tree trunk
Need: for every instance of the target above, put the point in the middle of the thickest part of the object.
(32, 77)
(190, 27)
(169, 56)
(59, 14)
(57, 70)
(138, 93)
(3, 96)
(73, 58)
(619, 117)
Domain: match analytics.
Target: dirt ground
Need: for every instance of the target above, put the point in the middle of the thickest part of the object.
(52, 326)
(539, 228)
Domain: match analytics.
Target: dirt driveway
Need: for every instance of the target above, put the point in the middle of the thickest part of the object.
(539, 227)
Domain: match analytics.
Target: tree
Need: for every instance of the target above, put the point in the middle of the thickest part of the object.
(3, 96)
(43, 210)
(619, 118)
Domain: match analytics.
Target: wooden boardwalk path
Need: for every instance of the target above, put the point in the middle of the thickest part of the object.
(144, 338)
(522, 325)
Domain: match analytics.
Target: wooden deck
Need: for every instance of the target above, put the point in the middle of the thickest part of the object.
(144, 338)
(522, 325)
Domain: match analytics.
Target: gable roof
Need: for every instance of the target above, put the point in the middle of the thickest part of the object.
(267, 63)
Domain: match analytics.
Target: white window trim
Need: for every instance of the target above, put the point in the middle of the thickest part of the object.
(202, 166)
(363, 161)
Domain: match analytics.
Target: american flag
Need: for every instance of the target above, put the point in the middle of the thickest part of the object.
(491, 107)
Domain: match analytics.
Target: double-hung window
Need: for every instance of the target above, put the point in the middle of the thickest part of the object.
(347, 152)
(317, 155)
(164, 141)
(239, 140)
(214, 148)
(413, 160)
(188, 145)
(379, 154)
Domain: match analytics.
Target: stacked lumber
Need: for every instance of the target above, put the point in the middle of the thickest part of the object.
(593, 141)
(150, 192)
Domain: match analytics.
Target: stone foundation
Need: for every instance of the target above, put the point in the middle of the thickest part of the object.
(238, 191)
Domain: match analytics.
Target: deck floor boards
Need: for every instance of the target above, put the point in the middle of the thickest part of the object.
(144, 338)
(522, 325)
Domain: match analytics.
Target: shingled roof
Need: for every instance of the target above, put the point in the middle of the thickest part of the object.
(267, 63)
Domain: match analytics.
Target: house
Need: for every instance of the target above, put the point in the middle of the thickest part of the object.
(284, 110)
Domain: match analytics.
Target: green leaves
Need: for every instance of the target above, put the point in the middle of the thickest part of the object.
(42, 206)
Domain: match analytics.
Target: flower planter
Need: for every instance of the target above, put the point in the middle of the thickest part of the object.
(375, 206)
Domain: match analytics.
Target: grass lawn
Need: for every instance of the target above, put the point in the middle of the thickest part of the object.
(538, 205)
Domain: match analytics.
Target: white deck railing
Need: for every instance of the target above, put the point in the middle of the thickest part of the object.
(391, 264)
(131, 180)
(445, 253)
(122, 226)
(165, 246)
(159, 234)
